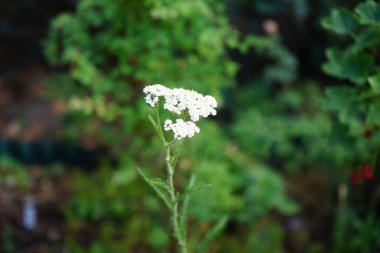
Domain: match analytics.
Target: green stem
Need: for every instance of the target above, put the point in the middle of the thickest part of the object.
(168, 145)
(170, 167)
(161, 133)
(175, 204)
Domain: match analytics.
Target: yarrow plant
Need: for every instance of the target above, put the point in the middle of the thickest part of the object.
(178, 101)
(189, 106)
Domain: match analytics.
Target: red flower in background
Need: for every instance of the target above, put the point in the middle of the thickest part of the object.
(367, 133)
(366, 172)
(356, 177)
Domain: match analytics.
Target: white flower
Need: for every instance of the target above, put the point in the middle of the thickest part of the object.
(197, 105)
(154, 92)
(177, 101)
(181, 129)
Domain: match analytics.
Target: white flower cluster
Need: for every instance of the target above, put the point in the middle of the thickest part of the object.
(177, 101)
(181, 129)
(153, 92)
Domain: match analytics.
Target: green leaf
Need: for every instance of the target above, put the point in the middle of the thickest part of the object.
(185, 206)
(354, 66)
(374, 81)
(158, 186)
(177, 152)
(339, 98)
(367, 38)
(212, 234)
(344, 101)
(154, 123)
(259, 43)
(156, 127)
(373, 117)
(159, 182)
(369, 13)
(340, 21)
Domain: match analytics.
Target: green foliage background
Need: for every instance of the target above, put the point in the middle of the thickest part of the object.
(112, 50)
(277, 123)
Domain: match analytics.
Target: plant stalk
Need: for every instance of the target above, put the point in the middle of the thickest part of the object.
(179, 235)
(170, 167)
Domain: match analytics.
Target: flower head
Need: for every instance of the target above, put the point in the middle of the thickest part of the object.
(181, 129)
(366, 172)
(177, 101)
(154, 92)
(197, 105)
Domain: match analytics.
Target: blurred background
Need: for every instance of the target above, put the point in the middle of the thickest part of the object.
(291, 155)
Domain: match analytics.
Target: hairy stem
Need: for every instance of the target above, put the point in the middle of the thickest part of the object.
(170, 167)
(175, 204)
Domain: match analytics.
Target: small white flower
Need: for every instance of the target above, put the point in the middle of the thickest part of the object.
(167, 125)
(154, 92)
(177, 101)
(181, 129)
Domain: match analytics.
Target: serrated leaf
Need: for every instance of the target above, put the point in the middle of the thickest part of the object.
(185, 206)
(354, 66)
(159, 182)
(154, 123)
(212, 234)
(153, 182)
(369, 13)
(338, 97)
(367, 38)
(176, 153)
(343, 100)
(200, 187)
(374, 81)
(156, 127)
(340, 21)
(259, 43)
